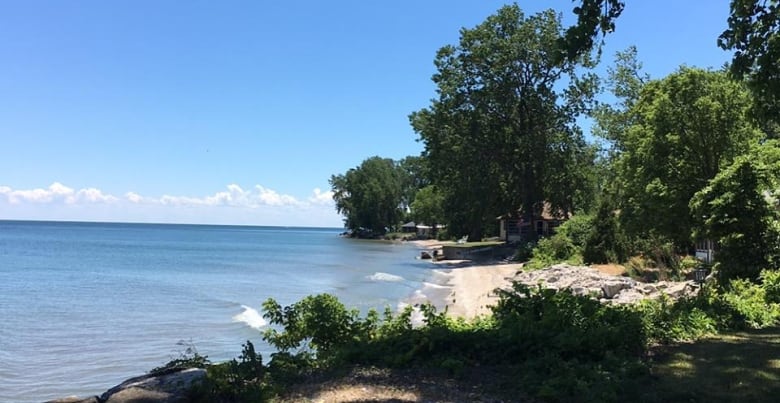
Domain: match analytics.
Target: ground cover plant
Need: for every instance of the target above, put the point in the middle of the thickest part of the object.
(547, 344)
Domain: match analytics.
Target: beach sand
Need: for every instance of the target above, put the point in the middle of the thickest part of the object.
(466, 290)
(472, 288)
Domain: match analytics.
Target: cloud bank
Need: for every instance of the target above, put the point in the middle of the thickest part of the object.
(257, 206)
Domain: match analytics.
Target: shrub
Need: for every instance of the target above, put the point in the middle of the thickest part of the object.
(770, 280)
(236, 381)
(577, 229)
(747, 303)
(552, 250)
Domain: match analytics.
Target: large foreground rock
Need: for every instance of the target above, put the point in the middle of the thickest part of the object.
(167, 388)
(584, 280)
(170, 387)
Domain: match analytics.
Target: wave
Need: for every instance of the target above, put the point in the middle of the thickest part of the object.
(379, 276)
(251, 317)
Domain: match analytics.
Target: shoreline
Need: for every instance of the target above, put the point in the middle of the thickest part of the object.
(464, 288)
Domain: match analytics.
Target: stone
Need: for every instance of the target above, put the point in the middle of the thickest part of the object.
(584, 280)
(169, 387)
(612, 288)
(74, 399)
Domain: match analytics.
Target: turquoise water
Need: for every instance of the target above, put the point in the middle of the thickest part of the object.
(86, 305)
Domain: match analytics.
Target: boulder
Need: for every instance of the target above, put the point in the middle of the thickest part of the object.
(584, 280)
(74, 399)
(613, 287)
(168, 387)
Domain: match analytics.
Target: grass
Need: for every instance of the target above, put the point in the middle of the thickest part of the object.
(742, 366)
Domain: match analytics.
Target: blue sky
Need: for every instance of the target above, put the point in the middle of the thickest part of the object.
(238, 112)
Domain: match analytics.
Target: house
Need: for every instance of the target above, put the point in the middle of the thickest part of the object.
(514, 228)
(705, 250)
(409, 227)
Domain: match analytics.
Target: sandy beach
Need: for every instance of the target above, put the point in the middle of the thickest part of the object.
(466, 290)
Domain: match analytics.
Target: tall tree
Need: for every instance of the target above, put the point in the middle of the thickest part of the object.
(739, 210)
(370, 196)
(754, 35)
(685, 128)
(502, 135)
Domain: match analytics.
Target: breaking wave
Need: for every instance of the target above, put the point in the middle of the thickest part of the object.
(251, 317)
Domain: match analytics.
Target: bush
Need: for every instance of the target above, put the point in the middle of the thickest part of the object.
(577, 229)
(549, 251)
(666, 321)
(770, 281)
(236, 381)
(748, 306)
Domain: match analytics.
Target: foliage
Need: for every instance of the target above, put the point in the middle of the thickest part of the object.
(748, 306)
(501, 135)
(555, 249)
(770, 282)
(577, 229)
(685, 128)
(625, 81)
(188, 358)
(427, 206)
(370, 196)
(606, 242)
(318, 324)
(243, 380)
(738, 211)
(754, 35)
(667, 321)
(593, 16)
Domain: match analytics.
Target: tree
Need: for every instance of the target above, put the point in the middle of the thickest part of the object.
(738, 210)
(684, 129)
(501, 136)
(427, 206)
(625, 81)
(370, 196)
(754, 35)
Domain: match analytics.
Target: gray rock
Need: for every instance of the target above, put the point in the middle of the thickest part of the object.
(584, 280)
(74, 399)
(166, 388)
(613, 287)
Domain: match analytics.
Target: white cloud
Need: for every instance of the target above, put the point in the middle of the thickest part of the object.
(134, 197)
(55, 193)
(270, 197)
(257, 205)
(320, 197)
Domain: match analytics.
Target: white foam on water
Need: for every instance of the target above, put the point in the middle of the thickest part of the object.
(379, 276)
(251, 317)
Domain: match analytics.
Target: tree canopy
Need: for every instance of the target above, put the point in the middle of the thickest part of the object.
(370, 196)
(501, 135)
(684, 129)
(754, 35)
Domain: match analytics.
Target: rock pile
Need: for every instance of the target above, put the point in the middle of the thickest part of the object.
(584, 280)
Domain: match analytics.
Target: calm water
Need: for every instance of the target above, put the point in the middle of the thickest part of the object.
(84, 306)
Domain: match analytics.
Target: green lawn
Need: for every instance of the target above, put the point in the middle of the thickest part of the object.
(735, 367)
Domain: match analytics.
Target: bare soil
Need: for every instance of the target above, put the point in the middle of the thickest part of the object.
(382, 385)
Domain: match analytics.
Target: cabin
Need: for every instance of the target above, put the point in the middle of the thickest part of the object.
(409, 227)
(705, 250)
(515, 229)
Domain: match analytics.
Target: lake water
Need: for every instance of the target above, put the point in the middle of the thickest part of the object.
(86, 305)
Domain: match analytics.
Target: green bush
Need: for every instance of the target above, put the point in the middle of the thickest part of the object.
(770, 281)
(552, 250)
(243, 380)
(748, 306)
(577, 229)
(666, 321)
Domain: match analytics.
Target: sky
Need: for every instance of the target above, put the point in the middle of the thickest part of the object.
(238, 112)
